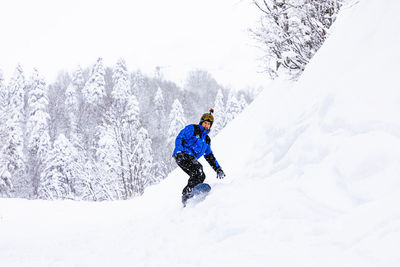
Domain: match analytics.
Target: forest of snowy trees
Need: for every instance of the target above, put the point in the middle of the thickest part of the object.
(104, 133)
(101, 133)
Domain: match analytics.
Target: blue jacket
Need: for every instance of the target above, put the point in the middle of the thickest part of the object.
(188, 143)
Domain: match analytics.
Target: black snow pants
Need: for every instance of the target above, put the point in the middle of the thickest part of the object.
(194, 169)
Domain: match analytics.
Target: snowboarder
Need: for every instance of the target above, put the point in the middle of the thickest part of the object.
(191, 143)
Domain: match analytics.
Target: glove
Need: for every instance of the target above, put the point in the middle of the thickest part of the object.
(220, 173)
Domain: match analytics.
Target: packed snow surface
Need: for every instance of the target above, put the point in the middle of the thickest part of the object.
(313, 177)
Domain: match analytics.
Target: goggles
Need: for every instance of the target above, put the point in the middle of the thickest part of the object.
(207, 117)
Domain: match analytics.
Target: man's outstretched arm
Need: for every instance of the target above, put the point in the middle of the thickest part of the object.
(209, 156)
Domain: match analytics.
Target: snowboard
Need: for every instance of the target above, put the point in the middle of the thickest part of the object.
(199, 193)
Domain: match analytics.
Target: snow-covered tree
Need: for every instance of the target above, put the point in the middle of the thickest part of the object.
(76, 123)
(138, 83)
(291, 31)
(73, 104)
(75, 110)
(93, 106)
(141, 163)
(38, 139)
(159, 106)
(72, 109)
(91, 185)
(12, 152)
(125, 152)
(122, 84)
(124, 113)
(3, 108)
(3, 92)
(135, 138)
(219, 114)
(78, 80)
(94, 89)
(5, 176)
(232, 107)
(111, 156)
(158, 124)
(111, 160)
(60, 172)
(5, 182)
(122, 145)
(115, 134)
(177, 121)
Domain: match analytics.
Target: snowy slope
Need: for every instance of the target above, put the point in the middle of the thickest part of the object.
(313, 177)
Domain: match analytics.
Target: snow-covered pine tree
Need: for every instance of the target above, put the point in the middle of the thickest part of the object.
(159, 114)
(38, 139)
(177, 122)
(219, 114)
(93, 106)
(121, 126)
(5, 176)
(3, 92)
(129, 128)
(141, 163)
(121, 139)
(5, 181)
(73, 106)
(73, 103)
(60, 172)
(111, 162)
(139, 150)
(94, 89)
(232, 107)
(115, 134)
(3, 109)
(157, 130)
(78, 80)
(13, 146)
(138, 84)
(122, 84)
(72, 109)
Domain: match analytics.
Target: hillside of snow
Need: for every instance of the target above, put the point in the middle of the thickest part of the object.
(313, 177)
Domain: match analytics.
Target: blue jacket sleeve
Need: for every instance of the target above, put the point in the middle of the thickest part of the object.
(209, 156)
(183, 135)
(208, 150)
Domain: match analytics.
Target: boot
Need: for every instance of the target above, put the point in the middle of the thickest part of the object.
(186, 195)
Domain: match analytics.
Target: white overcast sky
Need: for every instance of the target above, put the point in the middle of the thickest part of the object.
(178, 35)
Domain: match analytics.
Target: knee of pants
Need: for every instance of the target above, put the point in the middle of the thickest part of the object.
(199, 175)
